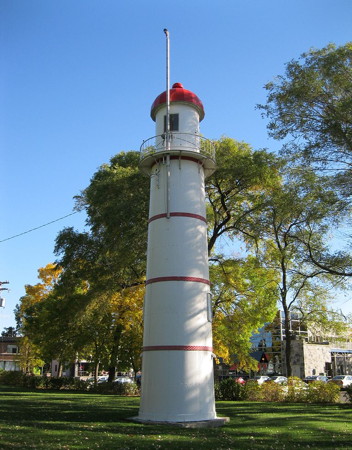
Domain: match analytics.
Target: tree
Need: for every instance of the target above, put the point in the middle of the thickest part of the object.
(310, 106)
(301, 204)
(237, 190)
(9, 332)
(245, 297)
(49, 276)
(337, 263)
(111, 256)
(81, 323)
(117, 203)
(31, 354)
(108, 329)
(244, 294)
(103, 269)
(46, 325)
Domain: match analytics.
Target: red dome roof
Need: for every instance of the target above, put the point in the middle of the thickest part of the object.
(178, 94)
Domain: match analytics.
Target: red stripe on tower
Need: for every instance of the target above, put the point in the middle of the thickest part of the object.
(178, 214)
(187, 348)
(192, 279)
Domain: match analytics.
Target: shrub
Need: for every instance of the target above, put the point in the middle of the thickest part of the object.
(266, 392)
(63, 383)
(315, 392)
(272, 392)
(126, 389)
(116, 388)
(348, 392)
(16, 378)
(217, 391)
(41, 382)
(12, 378)
(229, 389)
(320, 392)
(296, 390)
(30, 381)
(80, 385)
(252, 391)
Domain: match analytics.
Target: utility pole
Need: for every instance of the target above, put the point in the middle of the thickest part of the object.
(2, 300)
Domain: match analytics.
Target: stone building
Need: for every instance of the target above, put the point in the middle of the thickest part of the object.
(310, 358)
(312, 353)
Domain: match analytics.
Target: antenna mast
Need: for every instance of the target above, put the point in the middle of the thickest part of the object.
(167, 88)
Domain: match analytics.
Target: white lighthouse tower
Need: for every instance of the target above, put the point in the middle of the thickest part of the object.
(177, 367)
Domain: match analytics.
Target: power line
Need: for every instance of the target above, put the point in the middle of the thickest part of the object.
(40, 226)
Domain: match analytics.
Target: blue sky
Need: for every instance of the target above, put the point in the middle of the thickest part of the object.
(78, 77)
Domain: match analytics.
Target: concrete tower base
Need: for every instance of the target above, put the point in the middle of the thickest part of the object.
(213, 423)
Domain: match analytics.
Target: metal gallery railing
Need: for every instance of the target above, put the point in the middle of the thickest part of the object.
(174, 141)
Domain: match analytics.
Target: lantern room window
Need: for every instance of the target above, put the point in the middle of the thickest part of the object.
(173, 122)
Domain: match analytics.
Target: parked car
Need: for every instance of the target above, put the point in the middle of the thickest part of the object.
(342, 380)
(312, 378)
(278, 379)
(123, 380)
(103, 379)
(100, 379)
(260, 379)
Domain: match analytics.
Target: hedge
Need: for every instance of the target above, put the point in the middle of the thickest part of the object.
(295, 391)
(15, 378)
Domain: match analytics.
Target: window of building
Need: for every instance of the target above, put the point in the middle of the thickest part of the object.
(173, 122)
(12, 349)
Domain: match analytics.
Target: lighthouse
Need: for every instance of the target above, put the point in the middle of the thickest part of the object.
(177, 354)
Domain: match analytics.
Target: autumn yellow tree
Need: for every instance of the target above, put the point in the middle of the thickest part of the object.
(244, 298)
(79, 322)
(110, 330)
(30, 356)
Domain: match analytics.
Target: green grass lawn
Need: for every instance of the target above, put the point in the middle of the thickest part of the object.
(62, 420)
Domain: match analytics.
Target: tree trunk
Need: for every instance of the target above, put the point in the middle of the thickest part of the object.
(288, 342)
(114, 353)
(96, 371)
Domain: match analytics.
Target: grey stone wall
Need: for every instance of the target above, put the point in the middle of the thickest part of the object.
(309, 359)
(315, 358)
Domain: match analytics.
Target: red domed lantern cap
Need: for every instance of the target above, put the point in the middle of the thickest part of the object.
(180, 95)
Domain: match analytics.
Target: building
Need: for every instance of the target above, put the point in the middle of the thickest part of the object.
(9, 353)
(312, 352)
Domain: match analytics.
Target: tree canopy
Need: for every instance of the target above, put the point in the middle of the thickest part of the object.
(9, 332)
(33, 350)
(78, 324)
(310, 109)
(237, 190)
(111, 257)
(245, 296)
(112, 254)
(312, 105)
(301, 205)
